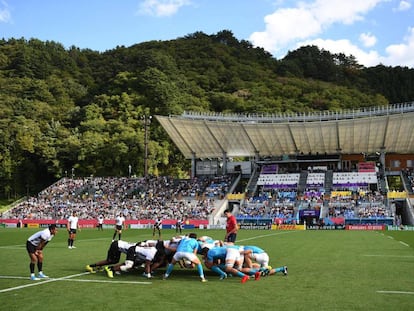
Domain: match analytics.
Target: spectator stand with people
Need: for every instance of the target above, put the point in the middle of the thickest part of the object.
(94, 196)
(195, 199)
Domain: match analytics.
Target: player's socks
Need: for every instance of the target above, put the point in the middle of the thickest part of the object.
(169, 269)
(252, 271)
(200, 270)
(222, 266)
(240, 274)
(217, 270)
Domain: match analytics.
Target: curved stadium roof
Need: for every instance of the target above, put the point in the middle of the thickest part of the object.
(389, 128)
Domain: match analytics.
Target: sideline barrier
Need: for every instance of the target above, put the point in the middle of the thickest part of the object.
(92, 223)
(255, 224)
(325, 227)
(288, 227)
(365, 227)
(400, 228)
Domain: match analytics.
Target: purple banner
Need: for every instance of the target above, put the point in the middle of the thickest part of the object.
(309, 213)
(270, 169)
(280, 186)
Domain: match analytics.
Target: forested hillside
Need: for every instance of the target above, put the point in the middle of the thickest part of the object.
(67, 110)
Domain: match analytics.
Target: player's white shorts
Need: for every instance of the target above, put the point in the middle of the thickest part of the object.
(262, 259)
(185, 255)
(233, 257)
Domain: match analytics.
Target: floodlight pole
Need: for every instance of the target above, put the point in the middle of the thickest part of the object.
(147, 122)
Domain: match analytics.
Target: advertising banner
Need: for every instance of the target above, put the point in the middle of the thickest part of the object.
(325, 227)
(309, 213)
(288, 227)
(30, 225)
(108, 223)
(365, 227)
(364, 167)
(254, 223)
(252, 226)
(400, 228)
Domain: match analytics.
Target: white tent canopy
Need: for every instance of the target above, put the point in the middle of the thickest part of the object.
(389, 129)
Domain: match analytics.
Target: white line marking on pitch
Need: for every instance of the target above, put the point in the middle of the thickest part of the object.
(40, 282)
(266, 235)
(394, 292)
(396, 256)
(19, 247)
(13, 277)
(112, 282)
(74, 280)
(66, 278)
(403, 243)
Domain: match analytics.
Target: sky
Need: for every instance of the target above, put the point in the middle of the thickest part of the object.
(373, 31)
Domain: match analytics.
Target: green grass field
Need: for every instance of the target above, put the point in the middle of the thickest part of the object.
(328, 270)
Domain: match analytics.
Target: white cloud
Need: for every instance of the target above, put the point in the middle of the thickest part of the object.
(370, 58)
(396, 54)
(161, 8)
(5, 15)
(367, 39)
(403, 6)
(328, 12)
(401, 54)
(285, 26)
(291, 28)
(306, 20)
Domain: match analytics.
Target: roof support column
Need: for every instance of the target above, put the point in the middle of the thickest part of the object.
(382, 161)
(256, 160)
(224, 172)
(193, 165)
(339, 150)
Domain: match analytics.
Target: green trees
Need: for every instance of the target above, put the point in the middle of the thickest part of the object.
(65, 111)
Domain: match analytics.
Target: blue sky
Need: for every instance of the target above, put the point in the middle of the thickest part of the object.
(374, 31)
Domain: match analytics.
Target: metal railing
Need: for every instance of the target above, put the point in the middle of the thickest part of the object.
(301, 117)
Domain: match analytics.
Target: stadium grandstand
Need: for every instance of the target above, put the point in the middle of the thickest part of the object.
(311, 166)
(326, 169)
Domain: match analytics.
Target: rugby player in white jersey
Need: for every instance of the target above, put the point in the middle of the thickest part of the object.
(34, 246)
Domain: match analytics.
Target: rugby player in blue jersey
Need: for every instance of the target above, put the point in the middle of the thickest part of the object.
(227, 260)
(187, 250)
(214, 259)
(261, 258)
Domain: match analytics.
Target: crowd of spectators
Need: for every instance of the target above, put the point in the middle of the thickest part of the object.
(136, 198)
(366, 204)
(409, 173)
(271, 203)
(168, 198)
(284, 201)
